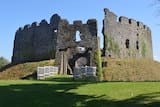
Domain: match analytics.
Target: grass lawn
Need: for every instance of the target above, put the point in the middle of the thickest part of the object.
(63, 92)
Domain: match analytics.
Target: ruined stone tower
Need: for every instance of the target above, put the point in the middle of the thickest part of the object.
(36, 42)
(76, 53)
(58, 40)
(125, 38)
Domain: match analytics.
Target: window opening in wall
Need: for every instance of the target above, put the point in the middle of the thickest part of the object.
(137, 45)
(55, 30)
(120, 19)
(81, 49)
(137, 23)
(78, 38)
(137, 34)
(144, 26)
(127, 43)
(130, 22)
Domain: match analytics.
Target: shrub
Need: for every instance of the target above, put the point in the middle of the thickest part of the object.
(98, 62)
(3, 62)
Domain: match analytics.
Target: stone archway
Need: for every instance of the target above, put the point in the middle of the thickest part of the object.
(79, 60)
(76, 45)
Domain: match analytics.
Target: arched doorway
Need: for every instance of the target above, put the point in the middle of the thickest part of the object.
(79, 60)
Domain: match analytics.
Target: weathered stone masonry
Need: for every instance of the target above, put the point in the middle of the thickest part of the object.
(126, 38)
(72, 53)
(57, 40)
(36, 41)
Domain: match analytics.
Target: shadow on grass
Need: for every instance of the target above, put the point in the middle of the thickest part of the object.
(143, 100)
(59, 95)
(61, 79)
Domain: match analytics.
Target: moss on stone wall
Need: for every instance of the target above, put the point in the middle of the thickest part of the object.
(131, 52)
(26, 52)
(111, 45)
(144, 49)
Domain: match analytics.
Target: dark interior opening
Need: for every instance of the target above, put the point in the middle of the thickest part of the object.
(137, 45)
(127, 43)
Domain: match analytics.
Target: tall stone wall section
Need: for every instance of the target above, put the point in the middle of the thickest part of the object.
(126, 38)
(123, 38)
(72, 53)
(36, 41)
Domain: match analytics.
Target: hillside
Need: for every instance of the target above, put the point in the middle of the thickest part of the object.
(131, 70)
(116, 70)
(22, 70)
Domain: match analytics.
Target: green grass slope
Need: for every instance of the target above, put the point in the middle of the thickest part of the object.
(116, 70)
(63, 92)
(131, 70)
(22, 70)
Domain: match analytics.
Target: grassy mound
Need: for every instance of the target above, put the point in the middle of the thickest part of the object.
(22, 70)
(62, 91)
(131, 70)
(116, 70)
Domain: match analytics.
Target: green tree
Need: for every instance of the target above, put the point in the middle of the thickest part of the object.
(3, 62)
(98, 62)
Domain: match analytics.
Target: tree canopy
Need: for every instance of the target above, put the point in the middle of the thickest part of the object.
(3, 61)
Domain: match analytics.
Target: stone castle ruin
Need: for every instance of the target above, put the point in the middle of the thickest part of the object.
(74, 45)
(37, 41)
(126, 38)
(71, 52)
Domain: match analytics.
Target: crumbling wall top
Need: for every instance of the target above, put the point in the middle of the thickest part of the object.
(77, 23)
(112, 17)
(43, 23)
(27, 26)
(34, 24)
(54, 21)
(91, 21)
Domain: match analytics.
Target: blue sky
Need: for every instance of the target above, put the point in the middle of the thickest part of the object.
(17, 13)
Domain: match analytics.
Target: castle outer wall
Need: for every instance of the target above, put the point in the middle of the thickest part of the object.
(57, 40)
(126, 38)
(36, 42)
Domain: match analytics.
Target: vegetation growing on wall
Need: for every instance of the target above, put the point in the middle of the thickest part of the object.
(26, 52)
(131, 53)
(144, 49)
(111, 45)
(98, 62)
